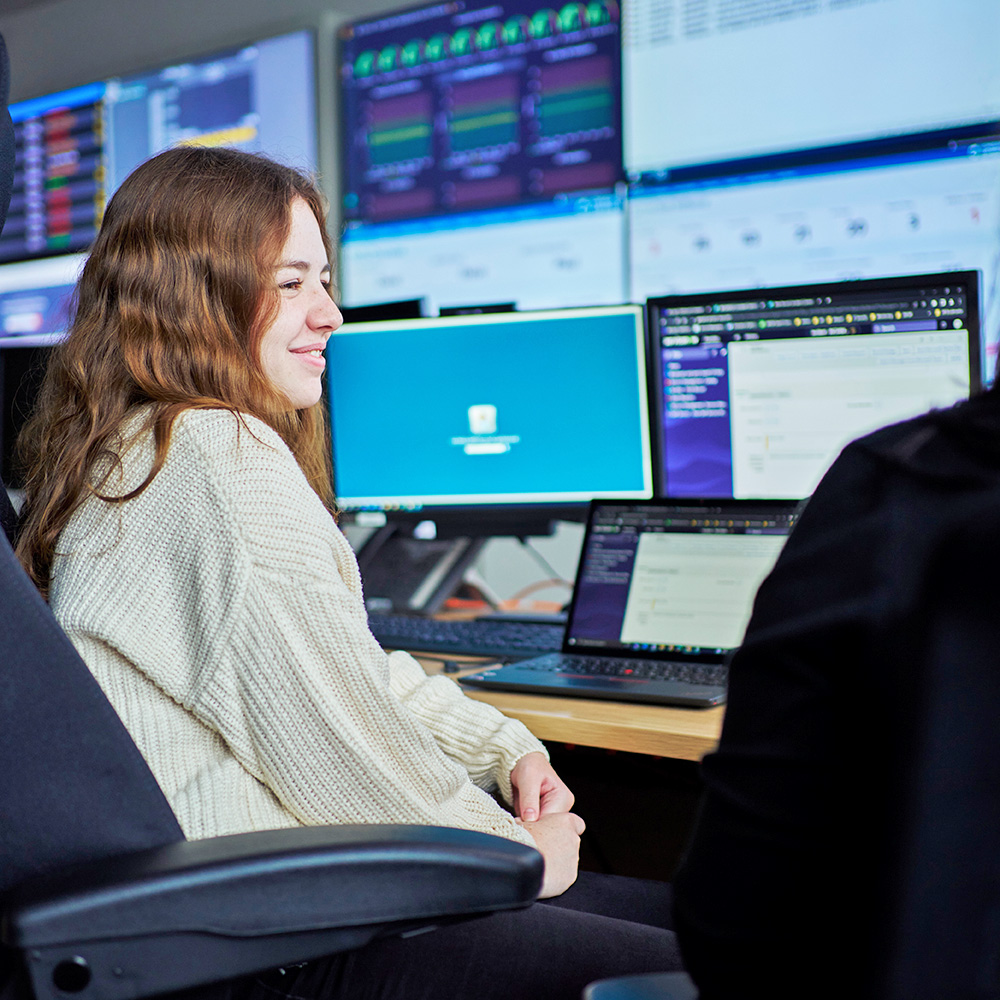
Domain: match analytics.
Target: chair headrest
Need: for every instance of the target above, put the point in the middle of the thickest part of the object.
(4, 73)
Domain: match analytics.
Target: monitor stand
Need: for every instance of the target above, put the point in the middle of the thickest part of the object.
(413, 575)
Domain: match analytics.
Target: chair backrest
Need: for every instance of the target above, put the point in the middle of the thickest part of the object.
(73, 785)
(8, 518)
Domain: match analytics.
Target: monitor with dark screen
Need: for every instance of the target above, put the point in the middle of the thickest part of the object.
(403, 309)
(35, 307)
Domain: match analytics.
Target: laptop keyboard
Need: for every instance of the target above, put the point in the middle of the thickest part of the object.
(476, 637)
(608, 666)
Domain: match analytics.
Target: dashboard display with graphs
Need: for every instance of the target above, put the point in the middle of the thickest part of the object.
(449, 109)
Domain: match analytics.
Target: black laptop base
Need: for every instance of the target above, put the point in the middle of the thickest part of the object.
(514, 677)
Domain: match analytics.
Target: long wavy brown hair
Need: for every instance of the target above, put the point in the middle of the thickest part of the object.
(170, 311)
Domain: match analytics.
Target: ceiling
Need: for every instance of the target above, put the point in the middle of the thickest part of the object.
(9, 6)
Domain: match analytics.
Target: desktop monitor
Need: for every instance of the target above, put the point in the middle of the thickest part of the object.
(58, 194)
(482, 155)
(755, 392)
(710, 82)
(484, 422)
(449, 107)
(259, 97)
(22, 369)
(36, 299)
(75, 147)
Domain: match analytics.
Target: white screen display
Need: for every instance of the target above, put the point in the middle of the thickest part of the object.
(902, 218)
(696, 589)
(543, 262)
(795, 403)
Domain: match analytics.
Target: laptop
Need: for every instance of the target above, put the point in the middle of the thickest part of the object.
(662, 597)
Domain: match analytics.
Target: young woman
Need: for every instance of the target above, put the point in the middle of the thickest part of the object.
(178, 518)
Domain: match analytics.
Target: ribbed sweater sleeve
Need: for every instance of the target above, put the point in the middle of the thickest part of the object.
(226, 590)
(483, 740)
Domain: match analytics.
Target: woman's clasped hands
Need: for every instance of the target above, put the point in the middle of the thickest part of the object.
(542, 804)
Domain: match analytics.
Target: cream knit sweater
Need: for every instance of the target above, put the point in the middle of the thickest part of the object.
(221, 612)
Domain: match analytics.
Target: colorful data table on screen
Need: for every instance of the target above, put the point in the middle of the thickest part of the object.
(58, 193)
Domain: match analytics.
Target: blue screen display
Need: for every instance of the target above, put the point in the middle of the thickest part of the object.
(511, 408)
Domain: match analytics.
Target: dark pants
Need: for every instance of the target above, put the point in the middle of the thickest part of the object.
(605, 925)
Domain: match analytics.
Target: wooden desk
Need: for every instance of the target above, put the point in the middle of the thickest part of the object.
(684, 733)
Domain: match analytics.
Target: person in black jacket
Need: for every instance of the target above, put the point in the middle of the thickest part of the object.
(787, 888)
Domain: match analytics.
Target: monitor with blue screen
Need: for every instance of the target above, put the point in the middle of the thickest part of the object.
(756, 391)
(490, 412)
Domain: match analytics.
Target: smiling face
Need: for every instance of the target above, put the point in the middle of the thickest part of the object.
(292, 348)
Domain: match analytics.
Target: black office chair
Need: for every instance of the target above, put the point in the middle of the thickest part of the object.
(101, 895)
(8, 517)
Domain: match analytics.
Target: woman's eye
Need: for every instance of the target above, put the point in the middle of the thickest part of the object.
(293, 284)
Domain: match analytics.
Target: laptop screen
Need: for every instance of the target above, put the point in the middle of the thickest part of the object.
(675, 577)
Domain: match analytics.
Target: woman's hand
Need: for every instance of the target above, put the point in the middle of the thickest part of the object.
(557, 837)
(538, 790)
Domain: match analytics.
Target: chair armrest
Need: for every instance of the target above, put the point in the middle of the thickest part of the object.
(651, 986)
(200, 911)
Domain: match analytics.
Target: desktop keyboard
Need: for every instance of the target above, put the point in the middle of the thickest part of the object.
(475, 637)
(609, 666)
